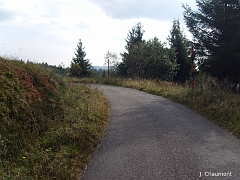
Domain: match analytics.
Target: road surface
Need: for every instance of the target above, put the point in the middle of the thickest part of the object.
(150, 137)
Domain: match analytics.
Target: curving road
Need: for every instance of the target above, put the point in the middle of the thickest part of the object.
(150, 137)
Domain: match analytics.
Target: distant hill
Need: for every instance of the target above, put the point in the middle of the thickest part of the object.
(100, 67)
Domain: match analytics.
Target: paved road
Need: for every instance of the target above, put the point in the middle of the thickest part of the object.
(150, 137)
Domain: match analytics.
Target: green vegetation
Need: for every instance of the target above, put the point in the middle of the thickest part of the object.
(48, 129)
(215, 52)
(179, 42)
(215, 27)
(111, 59)
(80, 66)
(211, 98)
(150, 59)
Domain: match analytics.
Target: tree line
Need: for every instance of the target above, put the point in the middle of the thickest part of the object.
(215, 27)
(154, 59)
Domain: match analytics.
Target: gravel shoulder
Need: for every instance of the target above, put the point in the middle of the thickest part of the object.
(150, 137)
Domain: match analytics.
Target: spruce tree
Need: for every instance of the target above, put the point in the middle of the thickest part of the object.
(216, 30)
(179, 42)
(128, 65)
(135, 36)
(80, 60)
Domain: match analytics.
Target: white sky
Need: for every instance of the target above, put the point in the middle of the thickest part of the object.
(49, 30)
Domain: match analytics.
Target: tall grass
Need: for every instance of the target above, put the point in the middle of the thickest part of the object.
(210, 98)
(48, 129)
(215, 100)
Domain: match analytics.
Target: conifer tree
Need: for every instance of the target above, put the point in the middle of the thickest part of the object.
(128, 65)
(81, 61)
(135, 36)
(178, 41)
(216, 30)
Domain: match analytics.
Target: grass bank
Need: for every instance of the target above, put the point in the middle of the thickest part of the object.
(210, 98)
(48, 129)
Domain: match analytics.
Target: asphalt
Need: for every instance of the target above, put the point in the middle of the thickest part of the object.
(149, 138)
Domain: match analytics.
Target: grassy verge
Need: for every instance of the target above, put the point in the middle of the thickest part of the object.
(48, 129)
(210, 97)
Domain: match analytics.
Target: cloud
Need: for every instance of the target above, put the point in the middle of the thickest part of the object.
(51, 8)
(49, 30)
(161, 10)
(83, 25)
(6, 14)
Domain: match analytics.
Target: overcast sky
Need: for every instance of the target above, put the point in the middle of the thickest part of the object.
(49, 30)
